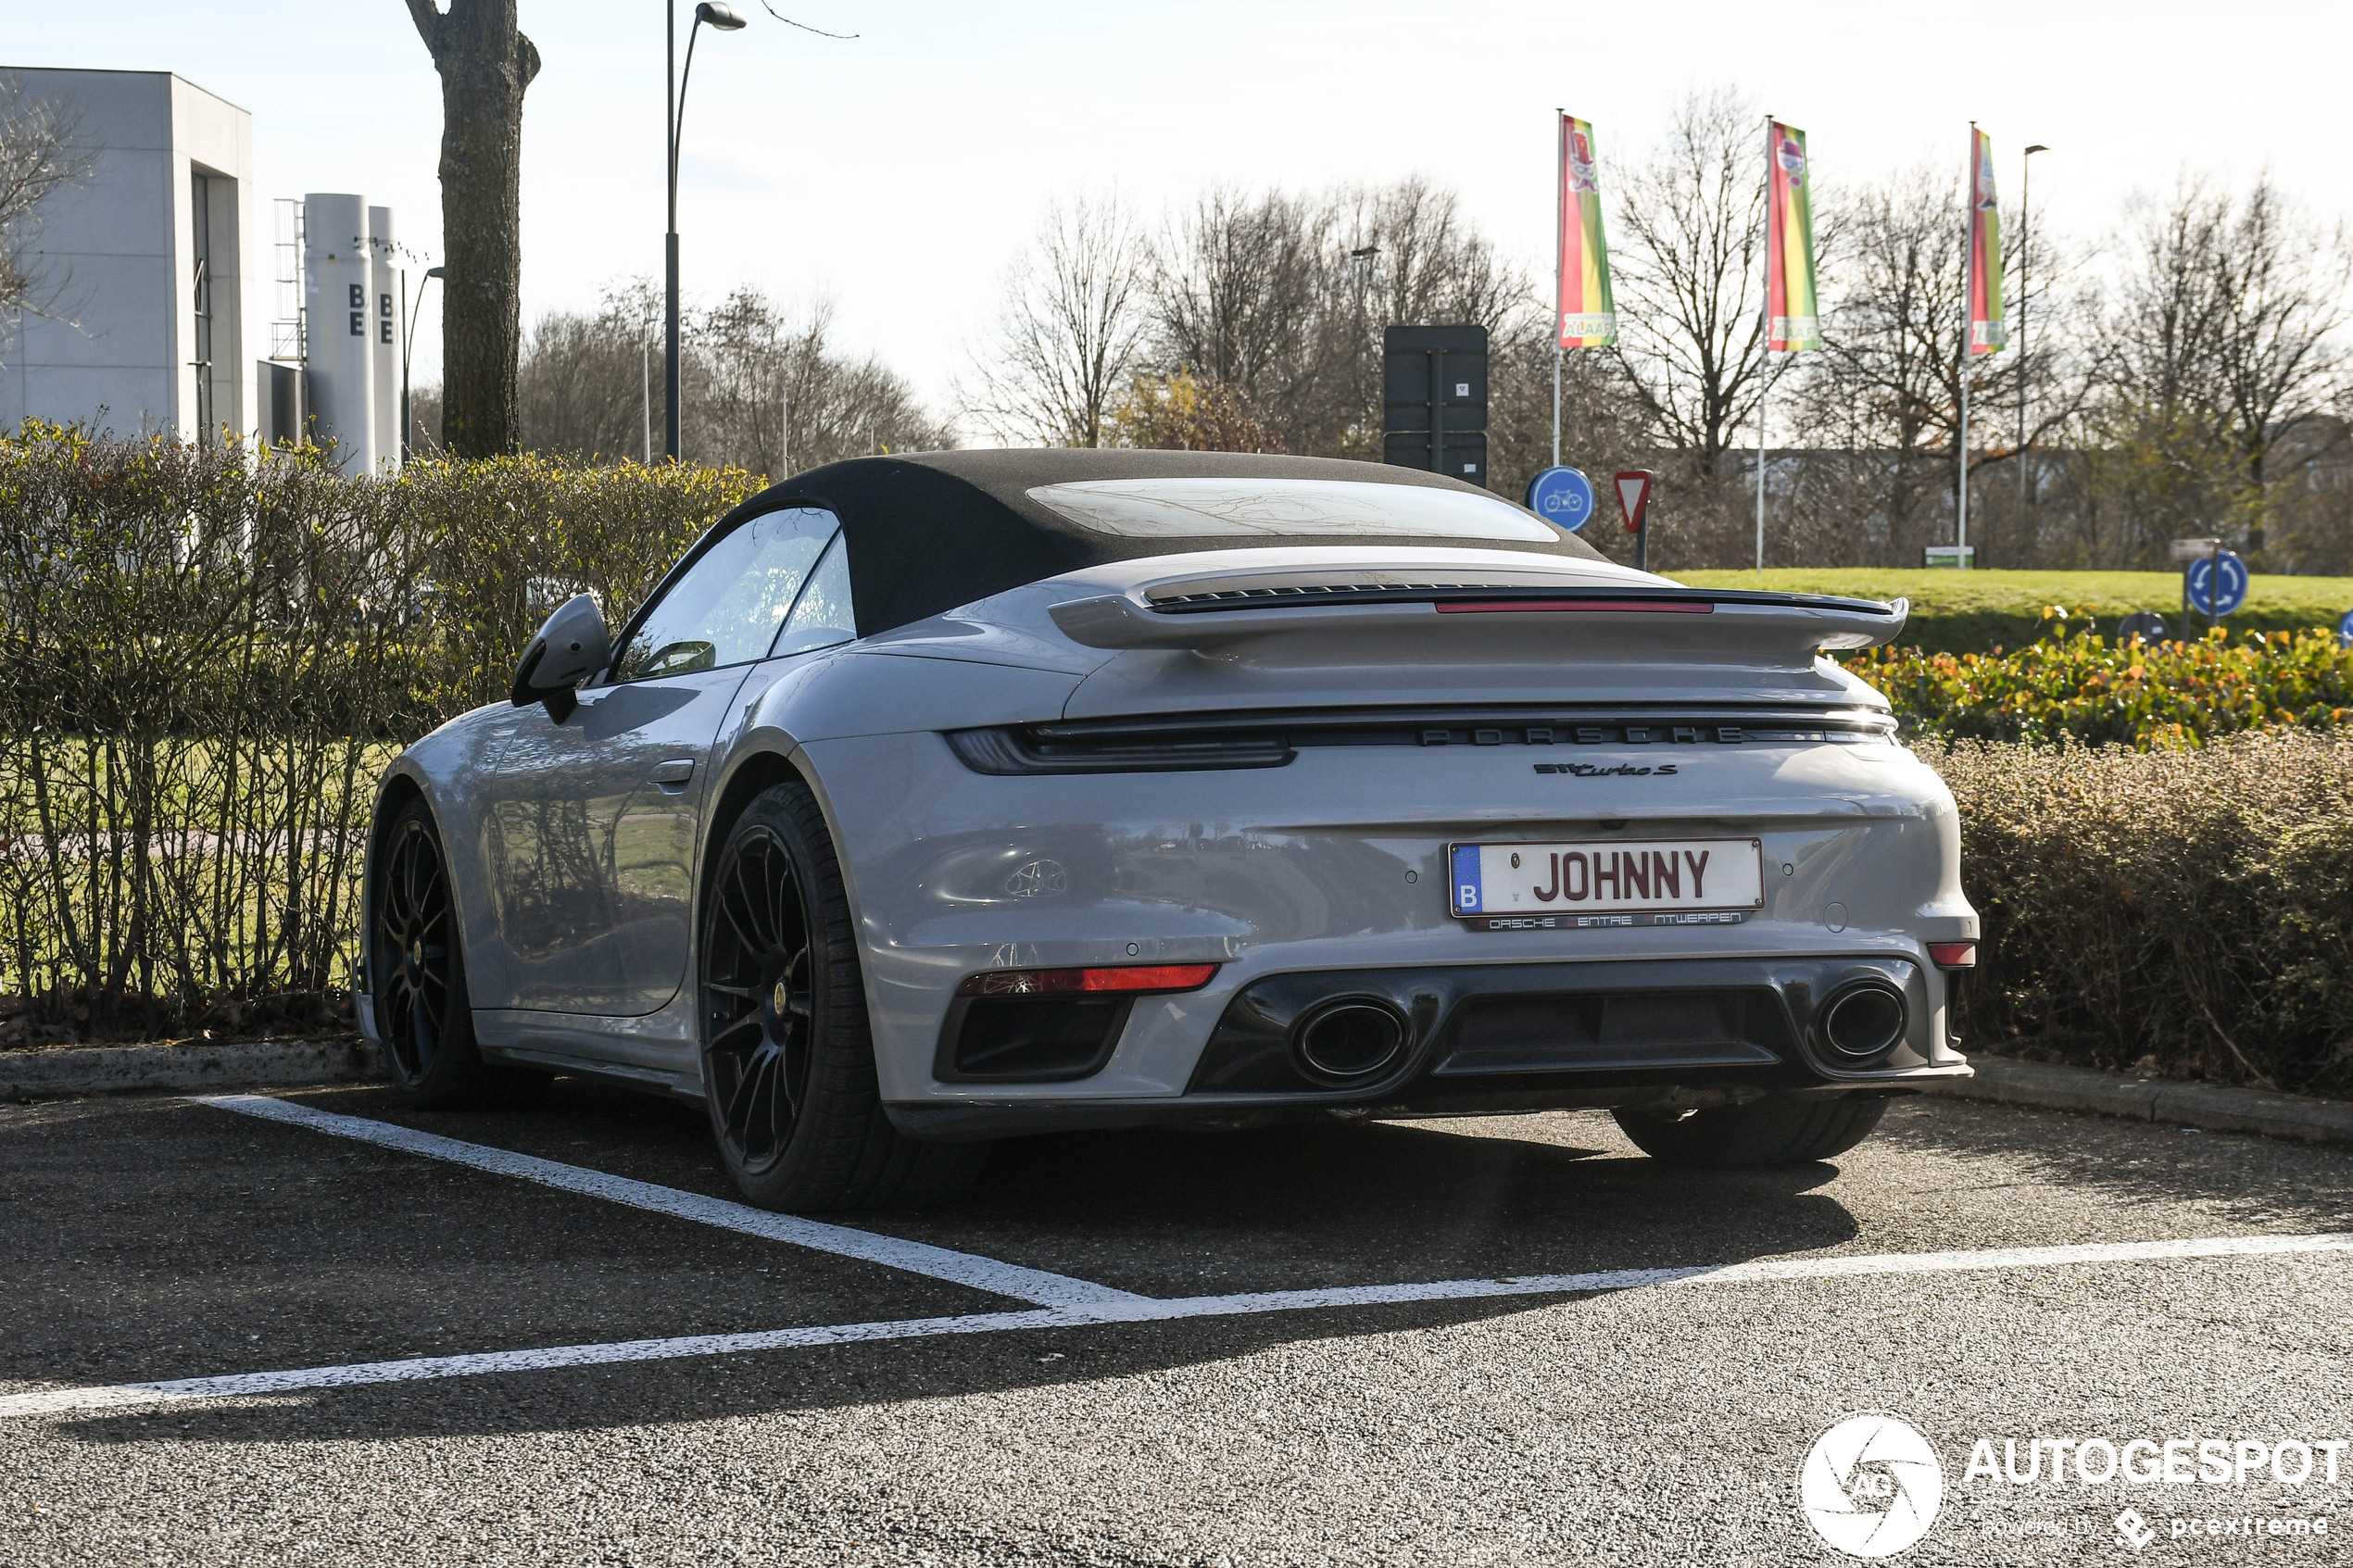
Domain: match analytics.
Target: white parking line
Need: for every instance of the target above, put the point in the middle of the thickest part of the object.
(1138, 1309)
(915, 1257)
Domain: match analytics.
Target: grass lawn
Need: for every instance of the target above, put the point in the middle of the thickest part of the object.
(1978, 612)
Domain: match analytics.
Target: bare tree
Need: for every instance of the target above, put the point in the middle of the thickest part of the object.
(1278, 300)
(1404, 252)
(37, 160)
(758, 386)
(1236, 292)
(754, 365)
(1179, 412)
(1689, 268)
(2229, 335)
(1068, 335)
(486, 64)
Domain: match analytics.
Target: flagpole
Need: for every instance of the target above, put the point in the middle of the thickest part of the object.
(1969, 321)
(1765, 356)
(1560, 281)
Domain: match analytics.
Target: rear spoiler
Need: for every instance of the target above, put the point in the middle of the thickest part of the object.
(1206, 620)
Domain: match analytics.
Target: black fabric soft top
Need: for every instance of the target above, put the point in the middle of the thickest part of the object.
(930, 531)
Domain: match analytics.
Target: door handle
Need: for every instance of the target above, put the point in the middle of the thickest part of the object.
(672, 775)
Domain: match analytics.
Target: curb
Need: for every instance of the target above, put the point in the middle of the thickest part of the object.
(118, 1070)
(2209, 1106)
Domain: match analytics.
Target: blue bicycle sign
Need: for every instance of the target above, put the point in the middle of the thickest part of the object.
(1562, 497)
(2205, 597)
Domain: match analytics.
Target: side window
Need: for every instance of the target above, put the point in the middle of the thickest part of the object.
(728, 607)
(824, 616)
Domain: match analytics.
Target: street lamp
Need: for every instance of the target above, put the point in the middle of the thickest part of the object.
(722, 19)
(2025, 218)
(407, 336)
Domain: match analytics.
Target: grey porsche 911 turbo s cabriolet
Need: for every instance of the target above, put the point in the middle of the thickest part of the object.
(933, 800)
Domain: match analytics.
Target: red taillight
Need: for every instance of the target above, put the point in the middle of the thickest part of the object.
(1133, 977)
(1953, 955)
(1624, 607)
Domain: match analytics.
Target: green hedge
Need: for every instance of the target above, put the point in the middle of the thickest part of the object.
(2092, 689)
(2187, 912)
(208, 658)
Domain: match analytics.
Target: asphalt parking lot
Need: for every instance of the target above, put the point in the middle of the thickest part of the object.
(1499, 1341)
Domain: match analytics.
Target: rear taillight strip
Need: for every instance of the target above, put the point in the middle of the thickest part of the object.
(1128, 978)
(1624, 607)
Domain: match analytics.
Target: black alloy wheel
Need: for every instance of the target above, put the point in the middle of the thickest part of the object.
(417, 968)
(414, 961)
(757, 1005)
(787, 1056)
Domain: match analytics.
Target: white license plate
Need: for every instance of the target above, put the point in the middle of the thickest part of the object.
(1655, 877)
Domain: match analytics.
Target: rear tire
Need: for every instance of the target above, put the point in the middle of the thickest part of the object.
(1780, 1130)
(787, 1056)
(417, 970)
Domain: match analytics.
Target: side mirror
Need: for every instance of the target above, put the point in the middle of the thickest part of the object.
(571, 648)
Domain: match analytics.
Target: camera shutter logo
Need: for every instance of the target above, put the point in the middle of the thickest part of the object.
(1871, 1484)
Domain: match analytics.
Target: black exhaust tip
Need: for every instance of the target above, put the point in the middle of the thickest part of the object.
(1351, 1040)
(1864, 1022)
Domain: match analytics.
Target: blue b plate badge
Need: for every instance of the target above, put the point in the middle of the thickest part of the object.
(1617, 883)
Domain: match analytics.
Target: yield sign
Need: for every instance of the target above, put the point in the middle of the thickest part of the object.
(1635, 496)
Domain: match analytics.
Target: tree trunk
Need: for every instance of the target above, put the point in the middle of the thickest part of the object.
(485, 64)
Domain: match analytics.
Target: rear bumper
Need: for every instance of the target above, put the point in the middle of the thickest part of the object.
(1501, 1038)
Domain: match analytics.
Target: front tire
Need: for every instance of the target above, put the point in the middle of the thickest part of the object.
(1776, 1130)
(787, 1056)
(417, 964)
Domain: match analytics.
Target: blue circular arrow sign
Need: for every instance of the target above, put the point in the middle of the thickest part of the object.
(1562, 497)
(2344, 630)
(2205, 596)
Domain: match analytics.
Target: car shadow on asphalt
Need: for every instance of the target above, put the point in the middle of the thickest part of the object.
(1169, 1214)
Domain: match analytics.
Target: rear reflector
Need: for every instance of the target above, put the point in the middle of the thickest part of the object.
(1041, 982)
(1953, 955)
(1518, 607)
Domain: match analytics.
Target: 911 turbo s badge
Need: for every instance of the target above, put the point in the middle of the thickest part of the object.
(1595, 771)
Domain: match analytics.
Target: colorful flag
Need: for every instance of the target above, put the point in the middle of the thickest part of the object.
(1588, 318)
(1791, 320)
(1987, 332)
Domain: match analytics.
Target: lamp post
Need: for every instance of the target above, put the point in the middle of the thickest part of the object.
(2025, 219)
(407, 336)
(722, 19)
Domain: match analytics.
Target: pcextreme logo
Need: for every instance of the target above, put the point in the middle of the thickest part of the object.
(1871, 1484)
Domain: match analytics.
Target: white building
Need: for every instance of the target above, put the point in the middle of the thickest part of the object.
(143, 264)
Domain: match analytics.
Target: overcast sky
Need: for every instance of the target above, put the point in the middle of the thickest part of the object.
(896, 173)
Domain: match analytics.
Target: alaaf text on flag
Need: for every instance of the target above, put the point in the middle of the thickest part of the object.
(1588, 318)
(1986, 332)
(1792, 318)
